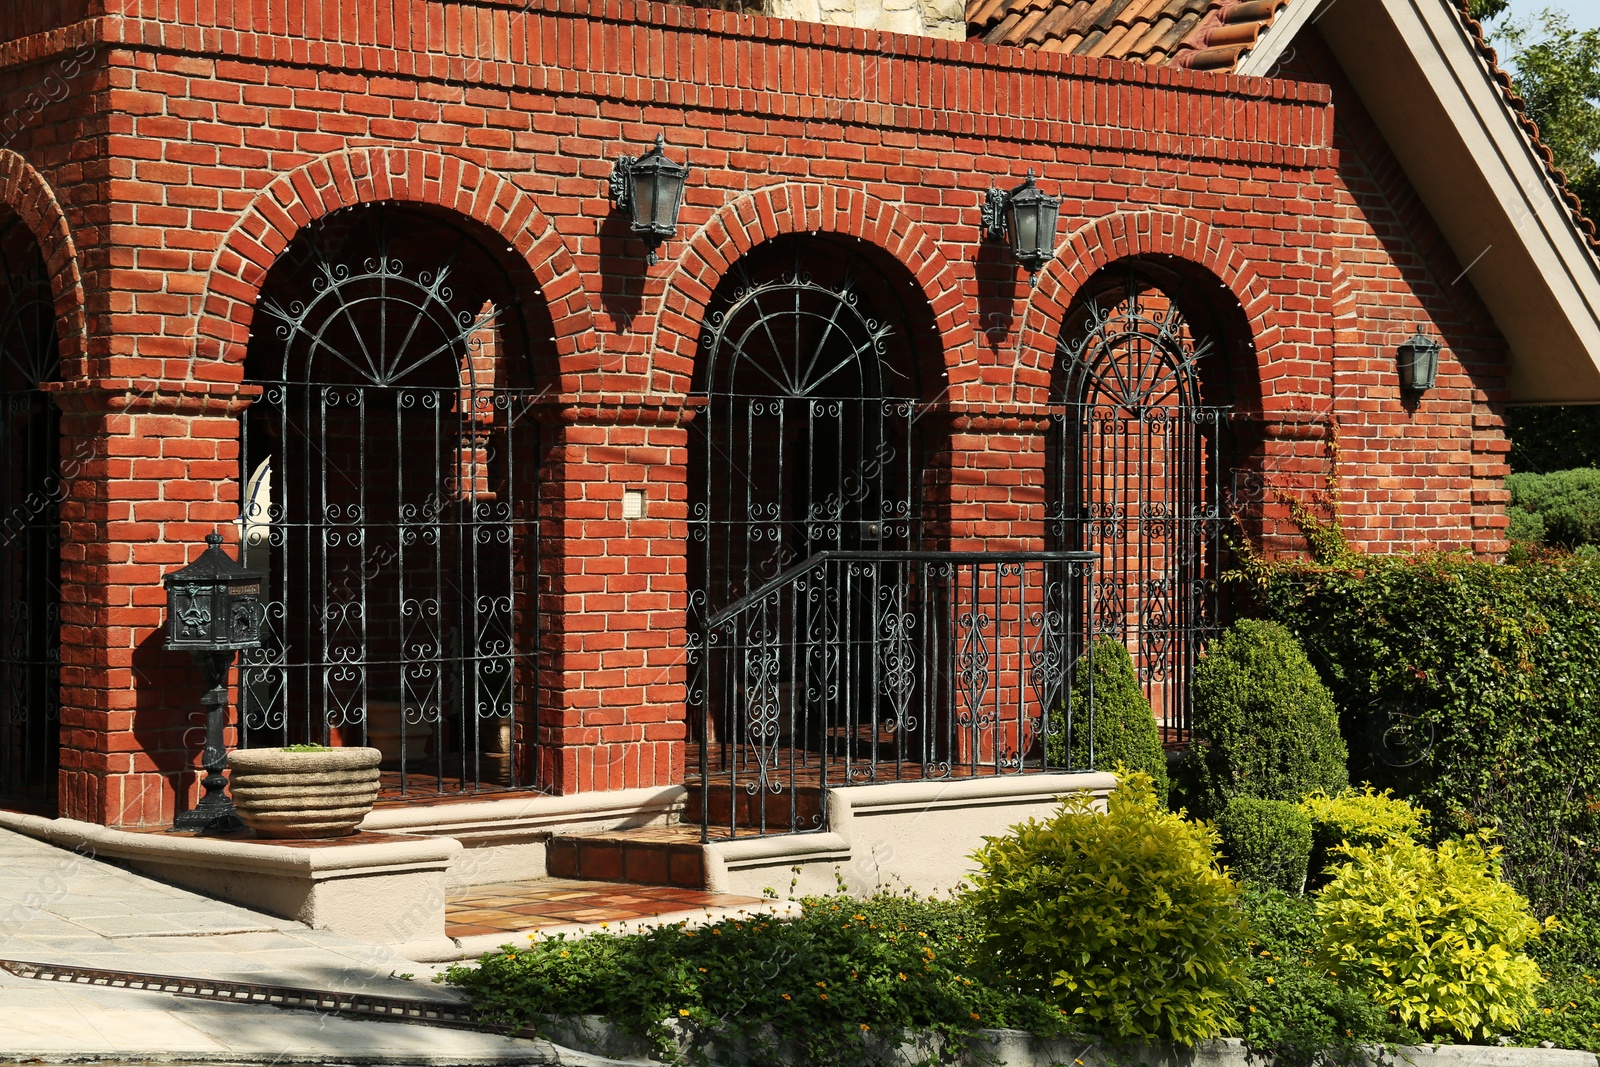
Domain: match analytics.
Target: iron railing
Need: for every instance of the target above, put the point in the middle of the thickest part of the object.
(870, 666)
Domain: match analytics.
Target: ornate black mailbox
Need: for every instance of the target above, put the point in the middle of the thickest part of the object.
(213, 611)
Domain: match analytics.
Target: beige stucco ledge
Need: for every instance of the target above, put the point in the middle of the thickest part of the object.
(896, 835)
(389, 891)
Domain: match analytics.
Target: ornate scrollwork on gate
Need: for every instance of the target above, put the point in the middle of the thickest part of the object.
(1139, 470)
(395, 500)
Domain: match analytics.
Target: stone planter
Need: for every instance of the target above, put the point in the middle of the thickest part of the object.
(284, 794)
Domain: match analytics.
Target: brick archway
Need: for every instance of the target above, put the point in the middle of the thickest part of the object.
(800, 207)
(372, 175)
(24, 191)
(1153, 234)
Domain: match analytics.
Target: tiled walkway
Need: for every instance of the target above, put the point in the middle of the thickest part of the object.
(507, 907)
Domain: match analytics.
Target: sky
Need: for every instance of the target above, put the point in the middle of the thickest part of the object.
(1581, 14)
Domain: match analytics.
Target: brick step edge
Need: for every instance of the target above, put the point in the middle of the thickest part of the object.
(606, 858)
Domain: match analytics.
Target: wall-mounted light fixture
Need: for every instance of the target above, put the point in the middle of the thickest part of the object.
(650, 189)
(1418, 356)
(1026, 218)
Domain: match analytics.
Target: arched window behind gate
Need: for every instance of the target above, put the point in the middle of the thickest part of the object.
(30, 531)
(1139, 457)
(391, 494)
(810, 367)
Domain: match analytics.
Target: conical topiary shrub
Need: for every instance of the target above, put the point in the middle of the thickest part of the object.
(1266, 726)
(1124, 727)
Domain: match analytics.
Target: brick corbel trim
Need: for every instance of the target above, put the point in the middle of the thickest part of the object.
(962, 416)
(138, 395)
(646, 409)
(1293, 425)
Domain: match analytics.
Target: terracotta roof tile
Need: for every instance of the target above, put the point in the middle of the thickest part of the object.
(1200, 34)
(1152, 31)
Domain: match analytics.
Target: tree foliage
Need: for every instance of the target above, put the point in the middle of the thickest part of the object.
(1558, 74)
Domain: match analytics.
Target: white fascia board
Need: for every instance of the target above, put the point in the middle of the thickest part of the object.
(1275, 43)
(1449, 125)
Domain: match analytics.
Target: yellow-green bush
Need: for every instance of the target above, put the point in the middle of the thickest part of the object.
(1433, 935)
(1123, 920)
(1358, 817)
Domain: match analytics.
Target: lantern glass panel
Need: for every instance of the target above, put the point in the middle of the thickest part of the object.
(645, 207)
(668, 187)
(1045, 237)
(1024, 223)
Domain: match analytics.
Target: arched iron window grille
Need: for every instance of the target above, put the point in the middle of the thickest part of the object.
(390, 492)
(1140, 450)
(809, 439)
(30, 531)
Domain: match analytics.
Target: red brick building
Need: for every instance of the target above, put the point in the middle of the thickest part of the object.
(356, 265)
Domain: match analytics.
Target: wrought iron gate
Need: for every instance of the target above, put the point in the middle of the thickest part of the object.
(30, 534)
(830, 644)
(1138, 460)
(391, 495)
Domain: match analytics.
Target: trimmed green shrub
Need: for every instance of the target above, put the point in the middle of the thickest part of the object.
(1123, 920)
(1266, 724)
(1267, 842)
(1433, 935)
(1470, 688)
(1565, 504)
(1292, 1010)
(1358, 817)
(1525, 525)
(1124, 726)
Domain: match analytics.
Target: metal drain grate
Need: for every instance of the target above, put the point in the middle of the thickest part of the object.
(361, 1005)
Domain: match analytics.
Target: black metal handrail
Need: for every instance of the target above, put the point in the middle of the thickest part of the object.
(859, 666)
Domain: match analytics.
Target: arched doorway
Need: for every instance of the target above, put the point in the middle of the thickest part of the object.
(1140, 448)
(390, 492)
(30, 531)
(812, 375)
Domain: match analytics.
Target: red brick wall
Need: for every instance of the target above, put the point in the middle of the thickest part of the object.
(200, 138)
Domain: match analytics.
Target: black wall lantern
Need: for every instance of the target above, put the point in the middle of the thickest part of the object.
(213, 611)
(650, 189)
(1419, 362)
(1026, 217)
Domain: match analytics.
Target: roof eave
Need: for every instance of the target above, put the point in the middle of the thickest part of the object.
(1419, 74)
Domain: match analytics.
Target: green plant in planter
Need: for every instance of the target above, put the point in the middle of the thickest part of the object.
(1077, 907)
(306, 748)
(1358, 817)
(1267, 842)
(1124, 726)
(1267, 725)
(1432, 935)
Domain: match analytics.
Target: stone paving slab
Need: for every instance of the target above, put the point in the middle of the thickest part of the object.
(65, 908)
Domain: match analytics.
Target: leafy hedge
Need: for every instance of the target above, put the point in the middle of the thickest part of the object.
(844, 982)
(1433, 935)
(1560, 509)
(1473, 688)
